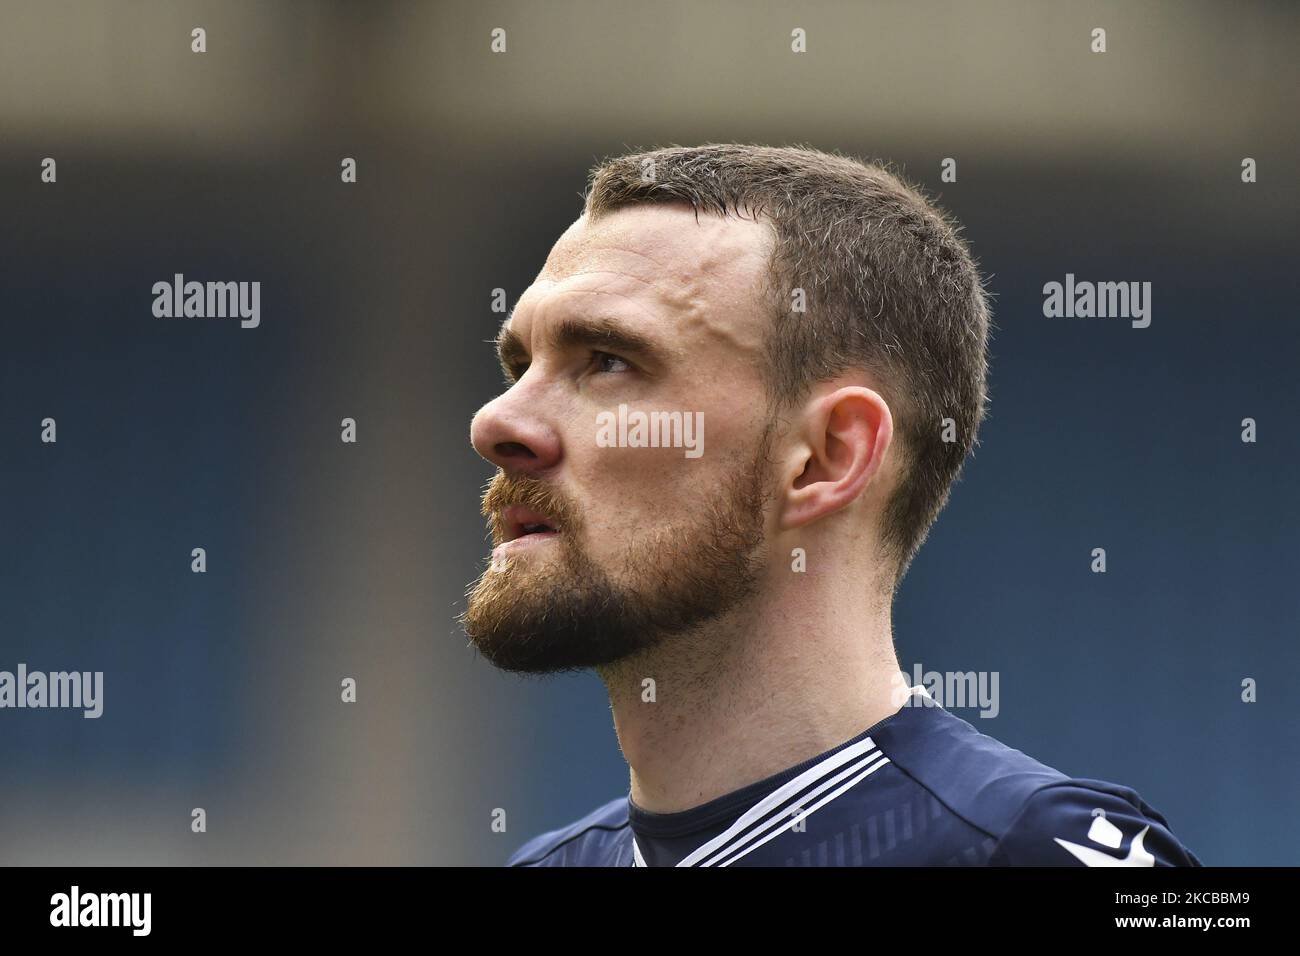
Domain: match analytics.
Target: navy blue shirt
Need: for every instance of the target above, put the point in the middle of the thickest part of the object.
(920, 788)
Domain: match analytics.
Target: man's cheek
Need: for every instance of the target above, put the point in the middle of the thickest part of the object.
(639, 490)
(638, 468)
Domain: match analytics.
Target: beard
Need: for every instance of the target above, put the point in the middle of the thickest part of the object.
(541, 614)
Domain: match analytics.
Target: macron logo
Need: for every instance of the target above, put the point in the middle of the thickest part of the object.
(1107, 834)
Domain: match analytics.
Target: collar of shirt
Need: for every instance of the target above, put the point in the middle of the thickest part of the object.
(715, 832)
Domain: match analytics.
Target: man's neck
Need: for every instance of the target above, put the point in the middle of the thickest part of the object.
(774, 684)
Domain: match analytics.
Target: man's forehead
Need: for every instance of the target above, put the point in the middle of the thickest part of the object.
(663, 242)
(706, 274)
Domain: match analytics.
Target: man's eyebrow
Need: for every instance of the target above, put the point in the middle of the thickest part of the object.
(597, 333)
(604, 333)
(510, 348)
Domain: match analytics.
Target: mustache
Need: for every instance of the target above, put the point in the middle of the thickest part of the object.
(505, 490)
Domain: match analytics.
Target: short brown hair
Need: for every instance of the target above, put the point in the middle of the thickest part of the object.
(887, 283)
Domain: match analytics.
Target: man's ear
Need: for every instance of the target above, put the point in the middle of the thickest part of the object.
(843, 438)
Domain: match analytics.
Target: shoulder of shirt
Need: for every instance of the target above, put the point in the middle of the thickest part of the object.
(609, 817)
(1018, 802)
(1067, 823)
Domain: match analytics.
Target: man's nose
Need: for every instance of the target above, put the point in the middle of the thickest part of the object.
(509, 432)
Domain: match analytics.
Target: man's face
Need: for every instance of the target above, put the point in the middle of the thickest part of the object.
(604, 548)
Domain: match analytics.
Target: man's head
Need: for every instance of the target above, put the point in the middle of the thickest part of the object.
(806, 310)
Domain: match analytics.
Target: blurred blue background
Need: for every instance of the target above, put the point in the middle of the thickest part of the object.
(328, 560)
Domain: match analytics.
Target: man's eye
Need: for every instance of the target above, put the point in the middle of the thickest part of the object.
(605, 362)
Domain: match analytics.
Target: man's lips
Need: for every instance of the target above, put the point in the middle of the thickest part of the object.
(519, 522)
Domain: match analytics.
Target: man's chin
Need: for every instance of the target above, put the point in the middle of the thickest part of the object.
(548, 605)
(530, 646)
(527, 616)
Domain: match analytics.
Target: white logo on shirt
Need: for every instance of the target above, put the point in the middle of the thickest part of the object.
(1107, 834)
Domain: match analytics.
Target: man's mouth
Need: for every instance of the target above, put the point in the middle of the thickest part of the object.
(518, 522)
